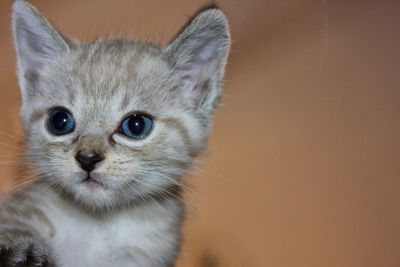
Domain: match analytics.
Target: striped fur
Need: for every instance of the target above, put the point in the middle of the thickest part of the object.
(134, 217)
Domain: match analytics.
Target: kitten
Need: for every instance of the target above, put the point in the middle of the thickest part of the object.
(111, 126)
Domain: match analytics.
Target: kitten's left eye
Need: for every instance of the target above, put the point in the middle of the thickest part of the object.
(136, 126)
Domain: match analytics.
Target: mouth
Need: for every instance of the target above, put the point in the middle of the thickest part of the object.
(92, 182)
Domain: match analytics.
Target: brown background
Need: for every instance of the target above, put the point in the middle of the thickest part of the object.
(303, 164)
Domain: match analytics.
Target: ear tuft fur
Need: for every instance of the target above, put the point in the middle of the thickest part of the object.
(191, 18)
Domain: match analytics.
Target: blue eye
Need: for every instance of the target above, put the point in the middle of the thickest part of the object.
(60, 122)
(136, 126)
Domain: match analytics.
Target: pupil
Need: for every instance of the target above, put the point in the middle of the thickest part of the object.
(60, 120)
(136, 125)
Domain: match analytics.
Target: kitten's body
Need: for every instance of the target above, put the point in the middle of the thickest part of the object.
(147, 234)
(103, 196)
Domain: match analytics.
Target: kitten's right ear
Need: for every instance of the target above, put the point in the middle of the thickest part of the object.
(36, 42)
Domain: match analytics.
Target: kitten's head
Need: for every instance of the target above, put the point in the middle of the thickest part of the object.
(113, 121)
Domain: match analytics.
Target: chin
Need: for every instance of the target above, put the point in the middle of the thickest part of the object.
(93, 196)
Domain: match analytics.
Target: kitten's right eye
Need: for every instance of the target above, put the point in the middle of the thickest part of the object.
(60, 121)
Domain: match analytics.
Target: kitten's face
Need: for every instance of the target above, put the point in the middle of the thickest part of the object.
(170, 92)
(100, 91)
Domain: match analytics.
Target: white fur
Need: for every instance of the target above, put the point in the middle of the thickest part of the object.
(141, 236)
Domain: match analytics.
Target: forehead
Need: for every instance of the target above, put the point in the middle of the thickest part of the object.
(111, 74)
(104, 68)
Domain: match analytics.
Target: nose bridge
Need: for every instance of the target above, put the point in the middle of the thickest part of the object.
(91, 143)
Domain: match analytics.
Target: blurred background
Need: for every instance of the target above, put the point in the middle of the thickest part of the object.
(303, 165)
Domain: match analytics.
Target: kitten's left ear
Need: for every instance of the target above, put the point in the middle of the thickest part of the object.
(36, 42)
(198, 54)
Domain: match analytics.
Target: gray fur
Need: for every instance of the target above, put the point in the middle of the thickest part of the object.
(101, 83)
